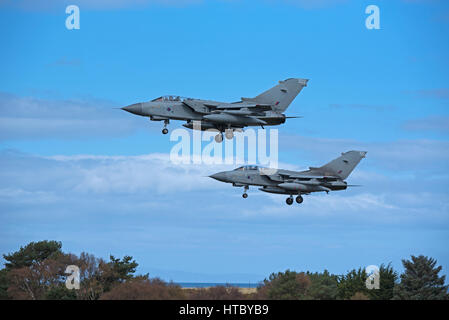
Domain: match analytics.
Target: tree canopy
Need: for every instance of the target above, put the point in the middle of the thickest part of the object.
(37, 271)
(421, 281)
(32, 253)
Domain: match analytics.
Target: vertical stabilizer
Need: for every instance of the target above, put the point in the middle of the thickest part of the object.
(343, 165)
(283, 94)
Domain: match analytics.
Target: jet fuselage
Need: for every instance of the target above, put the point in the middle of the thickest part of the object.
(175, 110)
(266, 109)
(329, 177)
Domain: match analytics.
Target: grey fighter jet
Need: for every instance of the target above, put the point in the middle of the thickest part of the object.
(330, 177)
(266, 109)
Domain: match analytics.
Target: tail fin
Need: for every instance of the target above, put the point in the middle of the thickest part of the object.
(343, 165)
(282, 95)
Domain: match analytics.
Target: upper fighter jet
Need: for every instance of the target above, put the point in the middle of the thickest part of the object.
(329, 177)
(266, 109)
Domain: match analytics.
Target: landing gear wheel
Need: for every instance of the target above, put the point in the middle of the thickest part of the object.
(289, 201)
(245, 195)
(219, 138)
(229, 134)
(299, 199)
(165, 130)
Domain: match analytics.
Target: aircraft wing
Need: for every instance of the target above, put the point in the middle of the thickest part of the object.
(241, 112)
(262, 107)
(240, 109)
(307, 177)
(319, 177)
(199, 105)
(206, 106)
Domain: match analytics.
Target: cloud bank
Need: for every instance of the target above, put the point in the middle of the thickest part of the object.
(33, 118)
(147, 207)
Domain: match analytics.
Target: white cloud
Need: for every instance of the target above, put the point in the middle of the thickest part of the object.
(142, 173)
(152, 178)
(400, 156)
(434, 124)
(31, 118)
(157, 211)
(17, 195)
(113, 174)
(438, 93)
(321, 205)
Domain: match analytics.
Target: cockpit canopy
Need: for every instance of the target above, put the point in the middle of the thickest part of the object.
(170, 98)
(245, 168)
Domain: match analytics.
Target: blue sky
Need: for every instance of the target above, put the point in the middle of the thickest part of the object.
(99, 179)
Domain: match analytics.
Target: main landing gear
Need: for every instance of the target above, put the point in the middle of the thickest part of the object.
(245, 195)
(289, 200)
(229, 134)
(165, 130)
(219, 137)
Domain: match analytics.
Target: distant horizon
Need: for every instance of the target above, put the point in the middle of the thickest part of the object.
(214, 284)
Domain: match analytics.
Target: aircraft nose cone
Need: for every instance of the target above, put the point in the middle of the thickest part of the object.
(220, 176)
(135, 108)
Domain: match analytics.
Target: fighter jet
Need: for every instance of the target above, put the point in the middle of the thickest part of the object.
(330, 177)
(266, 109)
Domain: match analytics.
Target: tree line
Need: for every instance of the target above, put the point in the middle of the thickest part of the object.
(37, 272)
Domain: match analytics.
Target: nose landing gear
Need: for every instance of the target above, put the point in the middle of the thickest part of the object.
(245, 195)
(165, 130)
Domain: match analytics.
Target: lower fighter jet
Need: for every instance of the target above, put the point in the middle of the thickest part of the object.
(329, 177)
(266, 109)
